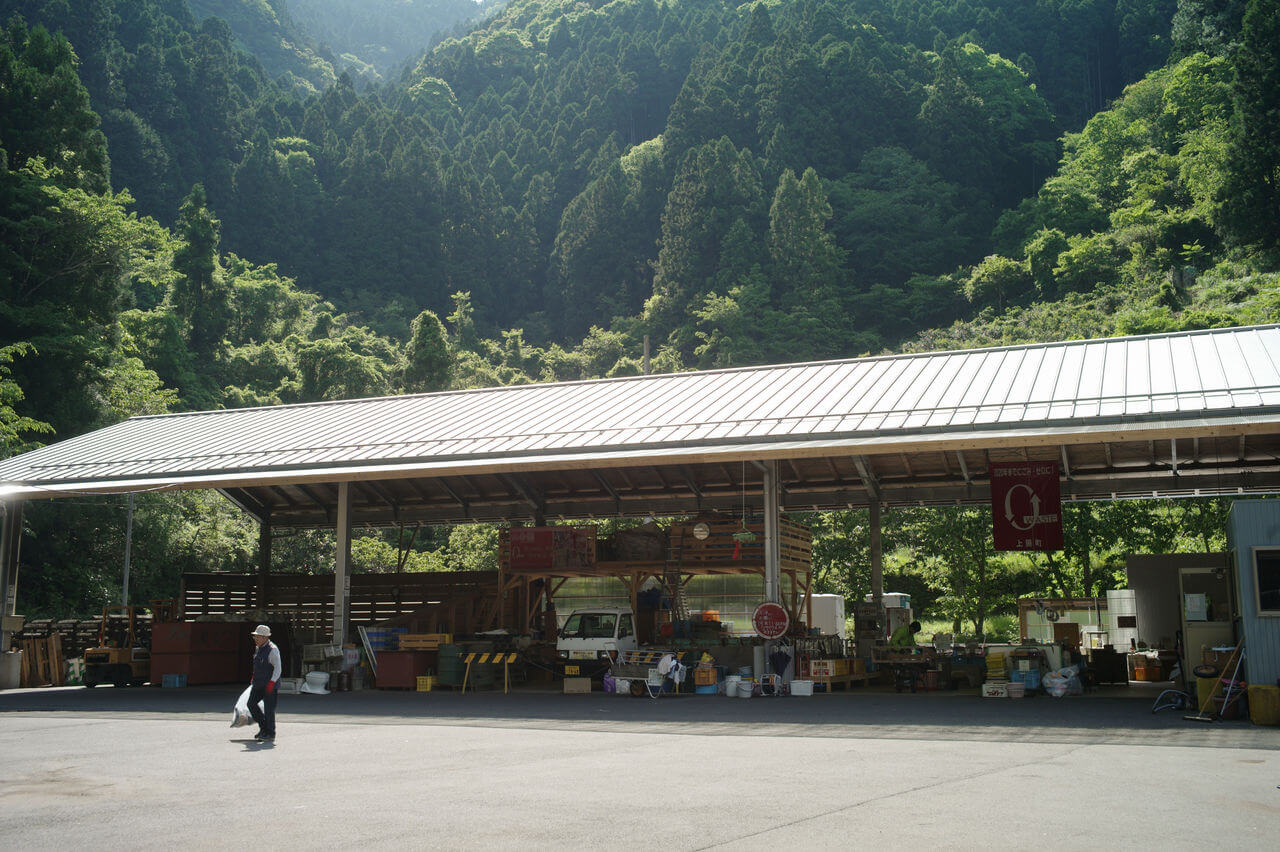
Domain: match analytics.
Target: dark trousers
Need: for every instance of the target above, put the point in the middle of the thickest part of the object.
(266, 717)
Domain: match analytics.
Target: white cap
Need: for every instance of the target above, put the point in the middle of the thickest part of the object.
(261, 630)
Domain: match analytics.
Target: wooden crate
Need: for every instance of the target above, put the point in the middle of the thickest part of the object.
(829, 668)
(577, 685)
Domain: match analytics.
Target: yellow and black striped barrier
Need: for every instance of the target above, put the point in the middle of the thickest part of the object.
(490, 658)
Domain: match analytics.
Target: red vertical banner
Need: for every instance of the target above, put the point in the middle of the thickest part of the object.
(1026, 506)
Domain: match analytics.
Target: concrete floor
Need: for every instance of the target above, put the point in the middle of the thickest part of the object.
(157, 768)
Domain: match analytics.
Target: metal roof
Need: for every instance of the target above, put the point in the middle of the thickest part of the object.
(1202, 385)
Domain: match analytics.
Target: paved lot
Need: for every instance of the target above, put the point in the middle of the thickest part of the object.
(157, 768)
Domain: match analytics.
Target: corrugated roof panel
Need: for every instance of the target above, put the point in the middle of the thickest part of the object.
(1212, 374)
(975, 393)
(822, 394)
(745, 401)
(1022, 387)
(872, 401)
(1262, 360)
(1190, 374)
(926, 384)
(968, 366)
(997, 393)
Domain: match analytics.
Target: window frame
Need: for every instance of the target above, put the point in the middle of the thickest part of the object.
(1273, 558)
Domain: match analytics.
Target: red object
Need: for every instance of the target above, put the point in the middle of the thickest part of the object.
(1026, 506)
(401, 669)
(183, 637)
(771, 620)
(549, 548)
(199, 668)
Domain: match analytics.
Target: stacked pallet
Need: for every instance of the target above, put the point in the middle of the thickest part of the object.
(42, 663)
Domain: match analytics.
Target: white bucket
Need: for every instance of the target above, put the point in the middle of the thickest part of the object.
(746, 688)
(731, 685)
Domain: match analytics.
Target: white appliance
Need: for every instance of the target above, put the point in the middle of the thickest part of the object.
(828, 615)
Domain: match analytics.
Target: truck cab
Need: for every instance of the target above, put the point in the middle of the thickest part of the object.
(592, 638)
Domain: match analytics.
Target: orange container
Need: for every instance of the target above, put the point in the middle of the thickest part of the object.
(711, 615)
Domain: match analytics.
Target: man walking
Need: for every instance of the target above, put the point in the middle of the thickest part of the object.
(266, 680)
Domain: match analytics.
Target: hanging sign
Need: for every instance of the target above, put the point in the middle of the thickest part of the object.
(771, 620)
(1026, 506)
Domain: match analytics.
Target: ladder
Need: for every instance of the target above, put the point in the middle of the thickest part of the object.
(671, 577)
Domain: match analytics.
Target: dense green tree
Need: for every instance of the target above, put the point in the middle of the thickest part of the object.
(428, 363)
(1251, 198)
(15, 430)
(999, 282)
(715, 187)
(44, 109)
(200, 294)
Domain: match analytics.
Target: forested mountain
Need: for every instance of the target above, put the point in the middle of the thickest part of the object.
(184, 224)
(379, 36)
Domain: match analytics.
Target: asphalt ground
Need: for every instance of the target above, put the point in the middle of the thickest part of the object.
(159, 768)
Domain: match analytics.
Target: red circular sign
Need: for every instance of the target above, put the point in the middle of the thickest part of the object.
(771, 620)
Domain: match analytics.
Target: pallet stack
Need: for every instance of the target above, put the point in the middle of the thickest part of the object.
(42, 663)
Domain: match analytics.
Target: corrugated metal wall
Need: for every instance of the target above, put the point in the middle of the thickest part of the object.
(1255, 523)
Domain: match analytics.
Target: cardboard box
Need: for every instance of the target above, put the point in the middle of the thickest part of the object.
(577, 685)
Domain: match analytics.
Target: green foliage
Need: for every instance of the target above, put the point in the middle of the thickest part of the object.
(13, 425)
(1251, 196)
(428, 362)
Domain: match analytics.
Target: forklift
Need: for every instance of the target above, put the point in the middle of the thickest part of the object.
(119, 658)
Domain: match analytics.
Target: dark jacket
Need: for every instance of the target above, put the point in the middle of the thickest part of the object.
(266, 664)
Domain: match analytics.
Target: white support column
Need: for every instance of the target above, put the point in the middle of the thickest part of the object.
(772, 496)
(128, 551)
(10, 539)
(342, 565)
(10, 543)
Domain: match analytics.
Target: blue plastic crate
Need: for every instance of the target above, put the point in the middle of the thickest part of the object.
(173, 681)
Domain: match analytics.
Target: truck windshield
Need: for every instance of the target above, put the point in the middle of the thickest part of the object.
(590, 625)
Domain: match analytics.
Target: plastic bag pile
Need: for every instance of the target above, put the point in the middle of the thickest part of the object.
(1064, 681)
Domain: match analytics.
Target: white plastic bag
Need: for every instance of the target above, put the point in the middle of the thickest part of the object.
(1064, 681)
(241, 716)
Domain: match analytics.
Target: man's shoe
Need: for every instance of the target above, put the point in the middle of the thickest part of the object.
(268, 737)
(260, 736)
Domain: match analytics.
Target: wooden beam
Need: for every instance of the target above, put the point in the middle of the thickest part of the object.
(315, 498)
(609, 489)
(869, 481)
